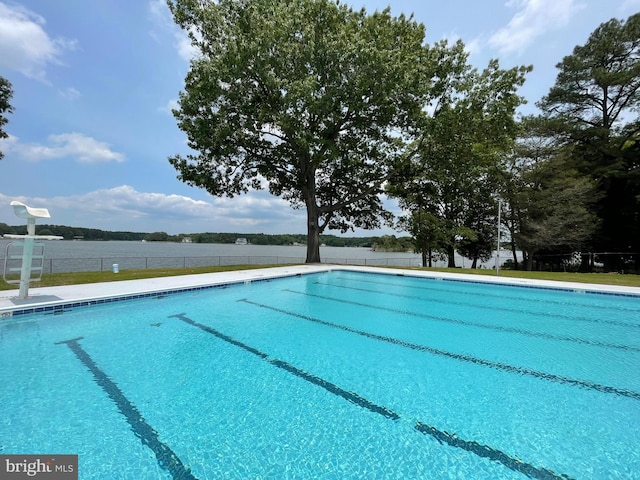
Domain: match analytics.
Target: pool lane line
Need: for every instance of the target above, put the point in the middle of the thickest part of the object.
(484, 307)
(167, 459)
(441, 436)
(516, 297)
(517, 331)
(330, 387)
(461, 357)
(490, 453)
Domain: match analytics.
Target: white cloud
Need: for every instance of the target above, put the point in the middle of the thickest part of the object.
(257, 208)
(474, 46)
(532, 19)
(161, 16)
(629, 5)
(70, 93)
(183, 44)
(169, 106)
(24, 44)
(125, 208)
(65, 145)
(126, 200)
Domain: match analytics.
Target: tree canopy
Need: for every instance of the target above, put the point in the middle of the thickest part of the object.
(329, 108)
(6, 92)
(449, 190)
(556, 214)
(593, 107)
(310, 99)
(597, 85)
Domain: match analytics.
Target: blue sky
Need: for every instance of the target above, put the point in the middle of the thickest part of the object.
(94, 83)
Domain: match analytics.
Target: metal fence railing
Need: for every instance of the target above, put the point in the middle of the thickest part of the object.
(574, 262)
(97, 264)
(593, 262)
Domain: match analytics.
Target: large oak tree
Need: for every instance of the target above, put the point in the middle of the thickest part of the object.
(308, 98)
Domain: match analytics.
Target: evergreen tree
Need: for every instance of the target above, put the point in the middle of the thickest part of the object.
(594, 105)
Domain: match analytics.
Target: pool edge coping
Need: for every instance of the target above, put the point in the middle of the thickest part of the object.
(44, 299)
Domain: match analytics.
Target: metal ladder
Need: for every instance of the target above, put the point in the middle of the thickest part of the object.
(13, 262)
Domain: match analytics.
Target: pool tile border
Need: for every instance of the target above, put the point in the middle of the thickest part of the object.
(59, 307)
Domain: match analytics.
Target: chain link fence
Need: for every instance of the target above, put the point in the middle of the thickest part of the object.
(98, 264)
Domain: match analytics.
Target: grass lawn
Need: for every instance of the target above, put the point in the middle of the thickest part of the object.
(627, 280)
(77, 278)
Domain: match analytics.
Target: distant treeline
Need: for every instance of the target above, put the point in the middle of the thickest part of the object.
(259, 239)
(387, 243)
(73, 233)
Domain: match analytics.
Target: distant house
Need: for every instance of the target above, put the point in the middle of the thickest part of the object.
(241, 241)
(187, 240)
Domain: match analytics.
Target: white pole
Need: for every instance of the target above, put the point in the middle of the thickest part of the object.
(498, 249)
(25, 272)
(27, 255)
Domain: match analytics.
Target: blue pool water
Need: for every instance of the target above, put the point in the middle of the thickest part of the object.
(335, 375)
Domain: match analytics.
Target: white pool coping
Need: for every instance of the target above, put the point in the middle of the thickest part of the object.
(47, 298)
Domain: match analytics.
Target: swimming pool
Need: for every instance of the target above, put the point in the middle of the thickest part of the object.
(331, 375)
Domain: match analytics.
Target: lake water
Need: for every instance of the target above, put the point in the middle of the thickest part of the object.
(66, 255)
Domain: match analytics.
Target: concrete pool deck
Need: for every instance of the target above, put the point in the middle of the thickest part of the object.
(46, 298)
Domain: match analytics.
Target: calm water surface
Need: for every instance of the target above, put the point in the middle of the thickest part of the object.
(115, 251)
(91, 249)
(68, 255)
(337, 375)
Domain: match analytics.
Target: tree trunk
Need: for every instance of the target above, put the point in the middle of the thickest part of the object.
(474, 264)
(451, 254)
(313, 214)
(424, 258)
(515, 256)
(586, 264)
(313, 235)
(529, 261)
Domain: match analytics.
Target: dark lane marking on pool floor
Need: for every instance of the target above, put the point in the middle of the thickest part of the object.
(525, 298)
(488, 452)
(518, 331)
(441, 436)
(484, 307)
(167, 459)
(351, 397)
(457, 356)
